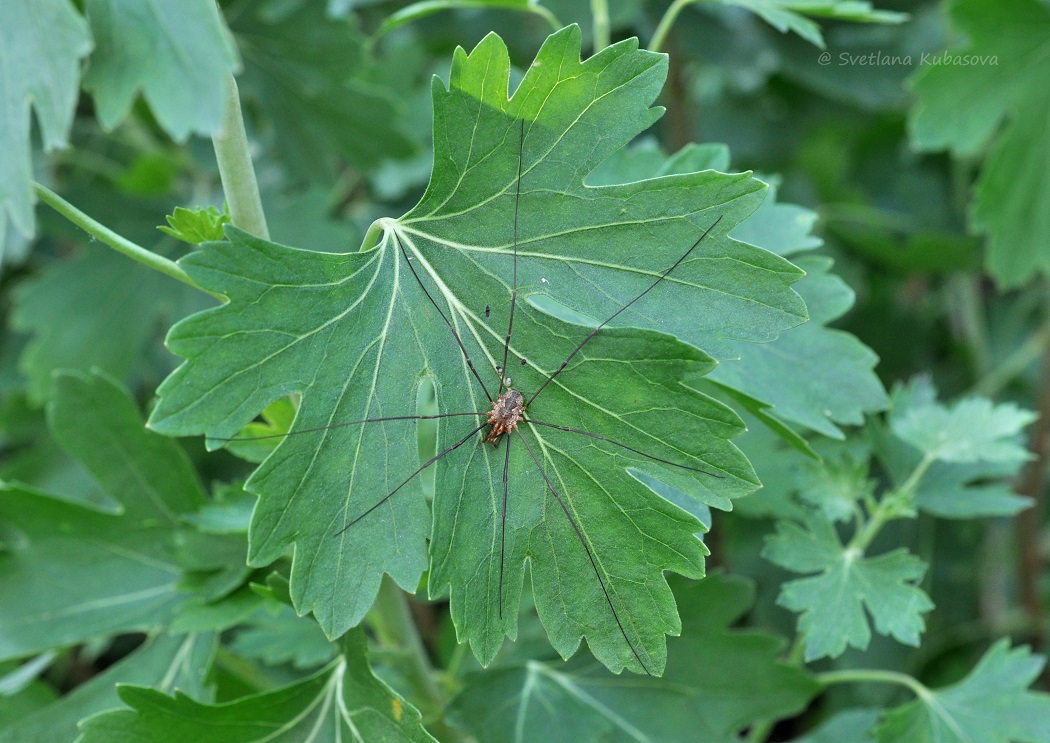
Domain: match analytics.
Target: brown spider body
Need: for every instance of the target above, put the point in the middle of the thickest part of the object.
(505, 415)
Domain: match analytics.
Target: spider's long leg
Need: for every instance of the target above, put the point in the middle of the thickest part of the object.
(429, 462)
(470, 362)
(590, 555)
(660, 278)
(343, 425)
(503, 536)
(514, 288)
(623, 446)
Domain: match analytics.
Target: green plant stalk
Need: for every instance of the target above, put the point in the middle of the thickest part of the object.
(118, 242)
(236, 170)
(664, 27)
(860, 675)
(392, 621)
(600, 13)
(1015, 364)
(889, 507)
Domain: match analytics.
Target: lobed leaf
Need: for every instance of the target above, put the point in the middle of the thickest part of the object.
(833, 603)
(177, 55)
(43, 43)
(992, 705)
(356, 336)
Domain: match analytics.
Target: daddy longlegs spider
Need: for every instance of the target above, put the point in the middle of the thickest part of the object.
(510, 410)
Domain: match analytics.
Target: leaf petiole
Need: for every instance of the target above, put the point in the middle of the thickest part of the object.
(895, 504)
(861, 675)
(118, 242)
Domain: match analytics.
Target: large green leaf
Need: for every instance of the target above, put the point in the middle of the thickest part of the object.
(42, 43)
(356, 336)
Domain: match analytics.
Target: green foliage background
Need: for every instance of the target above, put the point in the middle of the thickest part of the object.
(812, 508)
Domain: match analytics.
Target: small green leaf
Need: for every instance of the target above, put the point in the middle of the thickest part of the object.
(196, 226)
(850, 726)
(42, 42)
(833, 603)
(972, 430)
(178, 55)
(341, 702)
(693, 701)
(991, 705)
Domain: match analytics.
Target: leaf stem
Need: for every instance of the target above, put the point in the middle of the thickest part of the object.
(600, 12)
(1015, 364)
(235, 168)
(664, 27)
(861, 675)
(118, 242)
(392, 621)
(893, 505)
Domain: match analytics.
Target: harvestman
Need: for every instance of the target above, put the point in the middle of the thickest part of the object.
(509, 408)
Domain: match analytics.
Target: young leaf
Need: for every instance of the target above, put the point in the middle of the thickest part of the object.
(833, 603)
(692, 702)
(991, 705)
(972, 430)
(79, 572)
(343, 701)
(994, 101)
(42, 44)
(356, 335)
(196, 226)
(178, 55)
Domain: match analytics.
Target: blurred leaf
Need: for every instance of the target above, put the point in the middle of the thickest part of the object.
(790, 15)
(279, 636)
(850, 726)
(947, 489)
(972, 430)
(833, 603)
(812, 375)
(991, 705)
(692, 702)
(837, 481)
(97, 310)
(311, 78)
(178, 55)
(79, 572)
(42, 42)
(992, 102)
(341, 702)
(299, 321)
(195, 226)
(163, 661)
